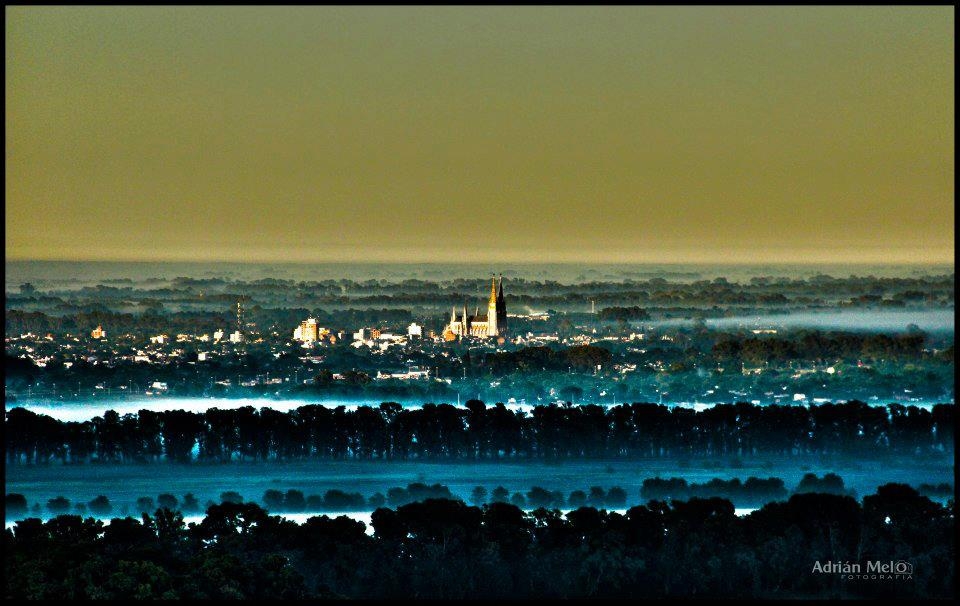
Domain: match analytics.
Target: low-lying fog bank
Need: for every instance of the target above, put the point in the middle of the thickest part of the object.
(124, 484)
(874, 320)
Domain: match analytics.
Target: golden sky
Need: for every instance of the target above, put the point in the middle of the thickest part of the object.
(480, 133)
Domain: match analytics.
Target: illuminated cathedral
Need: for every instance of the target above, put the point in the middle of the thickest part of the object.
(493, 324)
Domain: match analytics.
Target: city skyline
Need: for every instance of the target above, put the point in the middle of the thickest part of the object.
(515, 134)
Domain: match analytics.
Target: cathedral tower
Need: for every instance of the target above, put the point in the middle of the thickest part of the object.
(492, 310)
(492, 324)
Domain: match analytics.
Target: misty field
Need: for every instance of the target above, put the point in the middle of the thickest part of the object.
(124, 484)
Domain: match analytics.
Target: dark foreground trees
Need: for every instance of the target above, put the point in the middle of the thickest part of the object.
(446, 549)
(479, 432)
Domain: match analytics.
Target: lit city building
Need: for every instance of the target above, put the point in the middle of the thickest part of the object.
(307, 331)
(492, 324)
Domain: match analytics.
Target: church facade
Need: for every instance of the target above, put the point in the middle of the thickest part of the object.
(491, 324)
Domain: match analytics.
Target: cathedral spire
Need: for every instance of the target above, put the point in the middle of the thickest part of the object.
(492, 329)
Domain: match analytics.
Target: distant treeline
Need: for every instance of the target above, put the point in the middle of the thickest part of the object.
(725, 349)
(761, 291)
(479, 432)
(770, 489)
(124, 287)
(750, 491)
(820, 346)
(445, 549)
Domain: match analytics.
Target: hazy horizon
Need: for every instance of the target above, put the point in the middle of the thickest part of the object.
(538, 262)
(534, 257)
(493, 134)
(49, 274)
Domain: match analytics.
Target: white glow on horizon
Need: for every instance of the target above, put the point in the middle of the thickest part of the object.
(85, 411)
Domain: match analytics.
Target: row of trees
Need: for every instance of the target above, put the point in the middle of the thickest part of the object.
(478, 432)
(445, 549)
(820, 346)
(763, 490)
(751, 491)
(626, 281)
(345, 293)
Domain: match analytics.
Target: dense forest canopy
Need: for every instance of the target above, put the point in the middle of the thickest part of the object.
(479, 432)
(445, 549)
